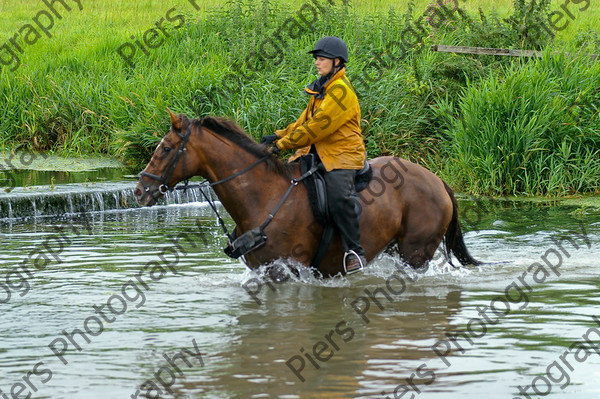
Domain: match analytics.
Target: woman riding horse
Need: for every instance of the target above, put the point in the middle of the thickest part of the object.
(405, 208)
(330, 128)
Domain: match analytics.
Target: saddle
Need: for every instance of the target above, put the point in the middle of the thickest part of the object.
(317, 196)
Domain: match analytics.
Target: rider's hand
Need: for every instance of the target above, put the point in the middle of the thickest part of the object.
(268, 139)
(274, 149)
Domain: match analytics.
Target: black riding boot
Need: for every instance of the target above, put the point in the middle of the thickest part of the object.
(344, 211)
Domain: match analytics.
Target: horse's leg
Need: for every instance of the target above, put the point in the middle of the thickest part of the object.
(416, 238)
(424, 227)
(406, 211)
(417, 251)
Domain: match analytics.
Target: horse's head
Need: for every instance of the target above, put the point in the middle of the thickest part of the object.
(169, 164)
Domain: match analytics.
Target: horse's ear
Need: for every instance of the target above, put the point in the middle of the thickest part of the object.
(175, 120)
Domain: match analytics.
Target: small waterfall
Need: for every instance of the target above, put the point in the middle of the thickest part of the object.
(98, 197)
(70, 204)
(115, 196)
(43, 201)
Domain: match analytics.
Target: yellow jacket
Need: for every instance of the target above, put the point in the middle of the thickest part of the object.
(332, 124)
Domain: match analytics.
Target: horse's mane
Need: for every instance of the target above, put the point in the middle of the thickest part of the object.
(234, 133)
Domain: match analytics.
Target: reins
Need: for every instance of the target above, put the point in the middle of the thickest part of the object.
(206, 183)
(255, 238)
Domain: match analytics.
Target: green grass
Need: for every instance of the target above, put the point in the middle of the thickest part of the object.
(74, 95)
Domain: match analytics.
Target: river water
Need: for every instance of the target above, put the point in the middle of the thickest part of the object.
(95, 306)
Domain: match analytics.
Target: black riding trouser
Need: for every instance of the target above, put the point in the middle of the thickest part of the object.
(343, 207)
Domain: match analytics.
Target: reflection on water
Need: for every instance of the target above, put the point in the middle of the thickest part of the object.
(11, 178)
(310, 326)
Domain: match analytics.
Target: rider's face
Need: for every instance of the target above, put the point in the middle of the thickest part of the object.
(324, 65)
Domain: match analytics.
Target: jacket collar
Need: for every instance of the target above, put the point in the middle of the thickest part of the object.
(318, 88)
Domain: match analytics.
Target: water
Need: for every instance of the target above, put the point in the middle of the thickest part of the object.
(199, 304)
(47, 201)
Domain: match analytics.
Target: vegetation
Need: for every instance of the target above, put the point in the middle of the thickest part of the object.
(533, 128)
(494, 125)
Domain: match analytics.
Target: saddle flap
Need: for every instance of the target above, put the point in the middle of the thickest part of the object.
(316, 187)
(321, 194)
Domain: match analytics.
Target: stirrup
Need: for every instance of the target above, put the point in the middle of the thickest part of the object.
(360, 261)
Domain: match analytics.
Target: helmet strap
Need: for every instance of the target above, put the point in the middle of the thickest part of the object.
(335, 69)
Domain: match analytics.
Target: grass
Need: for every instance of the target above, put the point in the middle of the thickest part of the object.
(75, 95)
(121, 18)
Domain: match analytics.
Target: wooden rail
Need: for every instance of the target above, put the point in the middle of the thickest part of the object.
(493, 51)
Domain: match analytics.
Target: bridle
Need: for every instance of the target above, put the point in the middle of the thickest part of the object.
(168, 172)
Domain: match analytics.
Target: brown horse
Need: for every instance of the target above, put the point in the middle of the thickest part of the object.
(405, 207)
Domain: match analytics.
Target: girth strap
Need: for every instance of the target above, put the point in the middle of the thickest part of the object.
(323, 246)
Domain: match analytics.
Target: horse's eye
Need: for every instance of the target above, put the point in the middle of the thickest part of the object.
(166, 149)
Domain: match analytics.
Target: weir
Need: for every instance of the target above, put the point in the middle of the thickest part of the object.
(47, 201)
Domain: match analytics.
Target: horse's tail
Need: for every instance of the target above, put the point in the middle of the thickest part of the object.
(454, 239)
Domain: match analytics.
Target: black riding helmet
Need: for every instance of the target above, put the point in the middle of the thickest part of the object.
(331, 47)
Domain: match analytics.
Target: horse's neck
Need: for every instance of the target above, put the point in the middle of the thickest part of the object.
(246, 196)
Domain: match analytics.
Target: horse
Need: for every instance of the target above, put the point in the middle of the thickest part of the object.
(405, 209)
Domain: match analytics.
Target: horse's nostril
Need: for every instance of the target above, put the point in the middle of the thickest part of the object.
(137, 192)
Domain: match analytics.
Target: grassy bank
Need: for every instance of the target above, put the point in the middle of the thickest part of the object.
(74, 94)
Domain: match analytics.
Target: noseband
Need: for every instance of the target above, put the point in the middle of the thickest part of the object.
(168, 173)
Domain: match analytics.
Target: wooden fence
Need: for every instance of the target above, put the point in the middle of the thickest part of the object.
(493, 51)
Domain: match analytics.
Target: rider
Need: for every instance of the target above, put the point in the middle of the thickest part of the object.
(330, 128)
